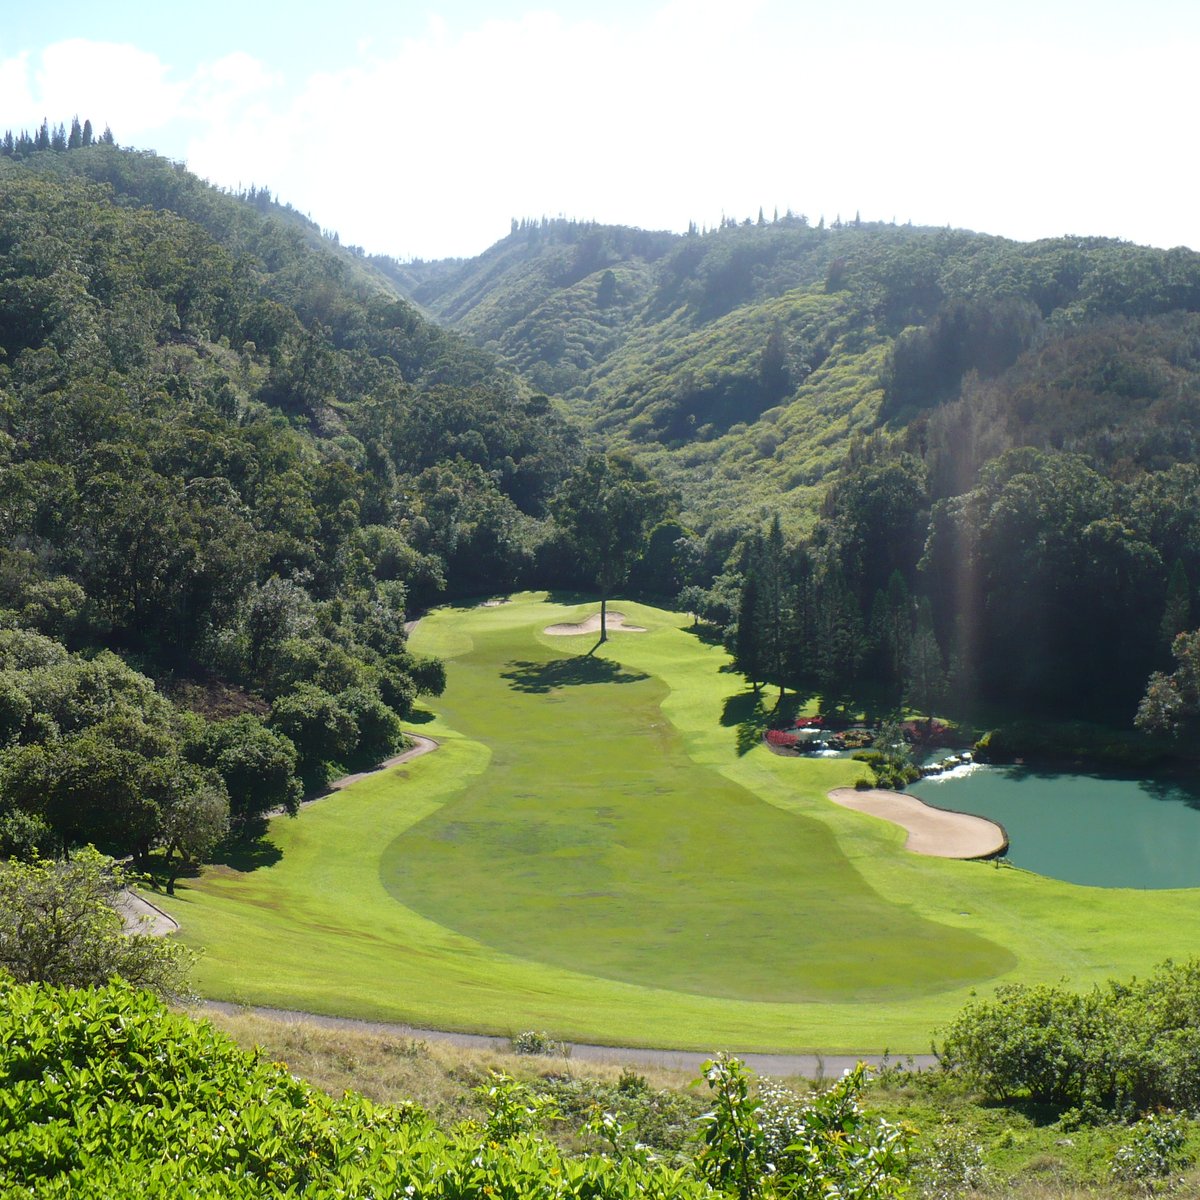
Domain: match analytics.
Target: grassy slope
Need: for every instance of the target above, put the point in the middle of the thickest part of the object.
(823, 908)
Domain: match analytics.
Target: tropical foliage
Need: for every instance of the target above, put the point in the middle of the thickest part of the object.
(105, 1093)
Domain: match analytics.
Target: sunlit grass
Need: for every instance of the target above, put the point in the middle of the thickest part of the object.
(591, 852)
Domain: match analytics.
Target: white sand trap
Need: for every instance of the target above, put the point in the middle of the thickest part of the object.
(934, 831)
(615, 623)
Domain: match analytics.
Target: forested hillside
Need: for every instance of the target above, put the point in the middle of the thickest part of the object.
(1006, 431)
(232, 459)
(740, 362)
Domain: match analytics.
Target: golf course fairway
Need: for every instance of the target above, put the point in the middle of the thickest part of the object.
(594, 852)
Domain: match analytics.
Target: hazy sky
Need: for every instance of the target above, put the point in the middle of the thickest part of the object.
(420, 128)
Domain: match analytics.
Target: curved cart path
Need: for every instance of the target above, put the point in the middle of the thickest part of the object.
(423, 745)
(141, 916)
(810, 1066)
(939, 832)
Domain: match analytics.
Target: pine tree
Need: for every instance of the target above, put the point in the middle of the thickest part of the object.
(747, 650)
(88, 135)
(892, 631)
(925, 685)
(776, 606)
(42, 141)
(75, 140)
(839, 636)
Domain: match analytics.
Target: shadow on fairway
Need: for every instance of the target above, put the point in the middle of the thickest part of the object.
(566, 672)
(247, 854)
(710, 635)
(746, 712)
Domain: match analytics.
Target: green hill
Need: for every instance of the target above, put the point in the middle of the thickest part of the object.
(232, 458)
(742, 362)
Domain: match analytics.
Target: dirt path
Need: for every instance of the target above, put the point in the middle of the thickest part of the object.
(939, 832)
(809, 1066)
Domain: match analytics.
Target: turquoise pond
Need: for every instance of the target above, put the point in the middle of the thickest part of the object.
(1096, 830)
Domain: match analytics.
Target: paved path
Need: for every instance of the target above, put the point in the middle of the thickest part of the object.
(423, 745)
(809, 1066)
(141, 916)
(935, 831)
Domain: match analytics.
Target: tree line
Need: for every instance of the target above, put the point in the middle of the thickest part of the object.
(58, 138)
(1047, 588)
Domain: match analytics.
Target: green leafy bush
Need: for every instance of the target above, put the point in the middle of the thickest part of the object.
(1122, 1048)
(60, 923)
(1156, 1149)
(775, 1145)
(105, 1093)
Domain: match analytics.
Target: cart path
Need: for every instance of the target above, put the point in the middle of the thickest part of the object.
(424, 745)
(808, 1066)
(141, 916)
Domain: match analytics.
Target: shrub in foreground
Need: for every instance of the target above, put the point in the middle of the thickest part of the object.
(60, 923)
(1121, 1048)
(105, 1093)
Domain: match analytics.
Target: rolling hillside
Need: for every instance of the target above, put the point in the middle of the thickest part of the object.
(742, 363)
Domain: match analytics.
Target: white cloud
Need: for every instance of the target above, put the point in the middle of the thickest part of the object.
(429, 145)
(112, 83)
(16, 100)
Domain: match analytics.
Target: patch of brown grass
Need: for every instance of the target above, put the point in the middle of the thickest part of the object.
(438, 1076)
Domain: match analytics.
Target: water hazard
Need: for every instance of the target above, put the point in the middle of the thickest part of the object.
(1097, 830)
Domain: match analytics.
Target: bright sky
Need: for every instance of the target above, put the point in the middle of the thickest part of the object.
(420, 127)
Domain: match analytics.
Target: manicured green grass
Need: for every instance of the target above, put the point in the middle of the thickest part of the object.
(590, 854)
(599, 845)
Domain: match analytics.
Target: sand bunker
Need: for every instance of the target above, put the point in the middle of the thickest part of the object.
(934, 831)
(615, 624)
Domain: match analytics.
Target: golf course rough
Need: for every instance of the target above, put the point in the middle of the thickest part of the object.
(592, 852)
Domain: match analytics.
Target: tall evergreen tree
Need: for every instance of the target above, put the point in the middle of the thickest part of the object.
(891, 632)
(925, 684)
(747, 648)
(839, 640)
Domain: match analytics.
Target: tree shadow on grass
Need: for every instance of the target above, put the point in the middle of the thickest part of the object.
(568, 596)
(419, 716)
(749, 716)
(541, 677)
(709, 634)
(246, 853)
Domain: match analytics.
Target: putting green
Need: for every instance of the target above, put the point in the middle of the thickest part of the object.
(591, 852)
